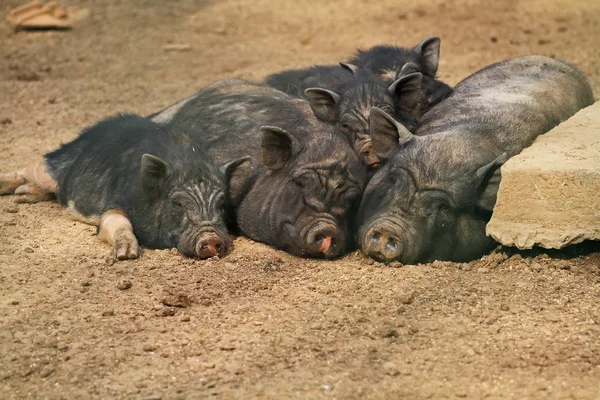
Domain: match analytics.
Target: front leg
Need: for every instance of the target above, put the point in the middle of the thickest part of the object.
(116, 229)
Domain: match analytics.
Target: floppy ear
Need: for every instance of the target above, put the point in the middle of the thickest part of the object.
(322, 102)
(278, 146)
(407, 91)
(350, 67)
(408, 68)
(229, 168)
(487, 178)
(153, 172)
(429, 50)
(386, 133)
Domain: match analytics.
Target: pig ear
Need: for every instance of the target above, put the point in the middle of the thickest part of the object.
(228, 168)
(429, 50)
(386, 133)
(408, 68)
(407, 91)
(322, 102)
(350, 67)
(278, 146)
(488, 180)
(153, 172)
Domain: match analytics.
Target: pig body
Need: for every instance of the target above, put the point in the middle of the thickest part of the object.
(435, 195)
(128, 173)
(392, 62)
(304, 181)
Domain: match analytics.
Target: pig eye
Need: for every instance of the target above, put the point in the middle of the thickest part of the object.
(444, 215)
(345, 128)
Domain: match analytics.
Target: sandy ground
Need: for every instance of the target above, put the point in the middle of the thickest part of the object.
(261, 323)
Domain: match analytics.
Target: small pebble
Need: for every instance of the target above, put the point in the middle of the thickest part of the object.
(12, 208)
(108, 313)
(6, 121)
(407, 298)
(28, 249)
(14, 302)
(390, 368)
(395, 264)
(124, 284)
(46, 371)
(185, 318)
(149, 347)
(62, 346)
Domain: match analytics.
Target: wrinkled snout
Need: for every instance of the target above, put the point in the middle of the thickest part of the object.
(210, 245)
(324, 240)
(383, 245)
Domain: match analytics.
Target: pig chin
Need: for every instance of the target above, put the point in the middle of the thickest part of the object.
(387, 239)
(204, 241)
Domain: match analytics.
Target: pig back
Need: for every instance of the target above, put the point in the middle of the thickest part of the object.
(226, 119)
(511, 102)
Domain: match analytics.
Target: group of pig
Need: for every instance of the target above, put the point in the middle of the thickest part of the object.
(373, 153)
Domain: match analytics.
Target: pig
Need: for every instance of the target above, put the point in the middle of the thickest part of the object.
(304, 182)
(343, 96)
(140, 182)
(434, 197)
(392, 62)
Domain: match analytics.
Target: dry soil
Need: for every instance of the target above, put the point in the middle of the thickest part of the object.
(260, 323)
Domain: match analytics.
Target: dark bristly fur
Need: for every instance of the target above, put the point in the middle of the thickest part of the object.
(344, 98)
(305, 180)
(435, 195)
(102, 169)
(387, 62)
(344, 94)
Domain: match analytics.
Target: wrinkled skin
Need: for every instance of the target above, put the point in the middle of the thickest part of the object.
(304, 182)
(433, 198)
(155, 176)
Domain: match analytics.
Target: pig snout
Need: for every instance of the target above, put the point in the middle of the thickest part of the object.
(383, 245)
(371, 160)
(324, 239)
(210, 245)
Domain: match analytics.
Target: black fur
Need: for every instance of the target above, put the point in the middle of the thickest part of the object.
(304, 176)
(435, 195)
(101, 170)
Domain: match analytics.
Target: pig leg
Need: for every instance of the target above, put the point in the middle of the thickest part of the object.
(30, 193)
(10, 182)
(115, 228)
(31, 185)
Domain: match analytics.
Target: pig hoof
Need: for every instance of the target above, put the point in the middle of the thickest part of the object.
(29, 193)
(10, 182)
(126, 246)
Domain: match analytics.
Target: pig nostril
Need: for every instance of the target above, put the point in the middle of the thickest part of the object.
(376, 236)
(319, 238)
(219, 248)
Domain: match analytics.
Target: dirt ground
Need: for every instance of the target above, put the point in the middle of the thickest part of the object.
(260, 323)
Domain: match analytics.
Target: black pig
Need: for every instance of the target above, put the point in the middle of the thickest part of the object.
(343, 96)
(305, 180)
(435, 195)
(138, 181)
(392, 62)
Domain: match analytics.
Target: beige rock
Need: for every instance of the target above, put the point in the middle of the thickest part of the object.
(549, 195)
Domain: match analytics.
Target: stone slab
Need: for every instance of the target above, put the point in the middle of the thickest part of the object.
(549, 194)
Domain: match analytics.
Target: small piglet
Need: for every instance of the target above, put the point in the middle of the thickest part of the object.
(391, 63)
(434, 197)
(138, 181)
(344, 96)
